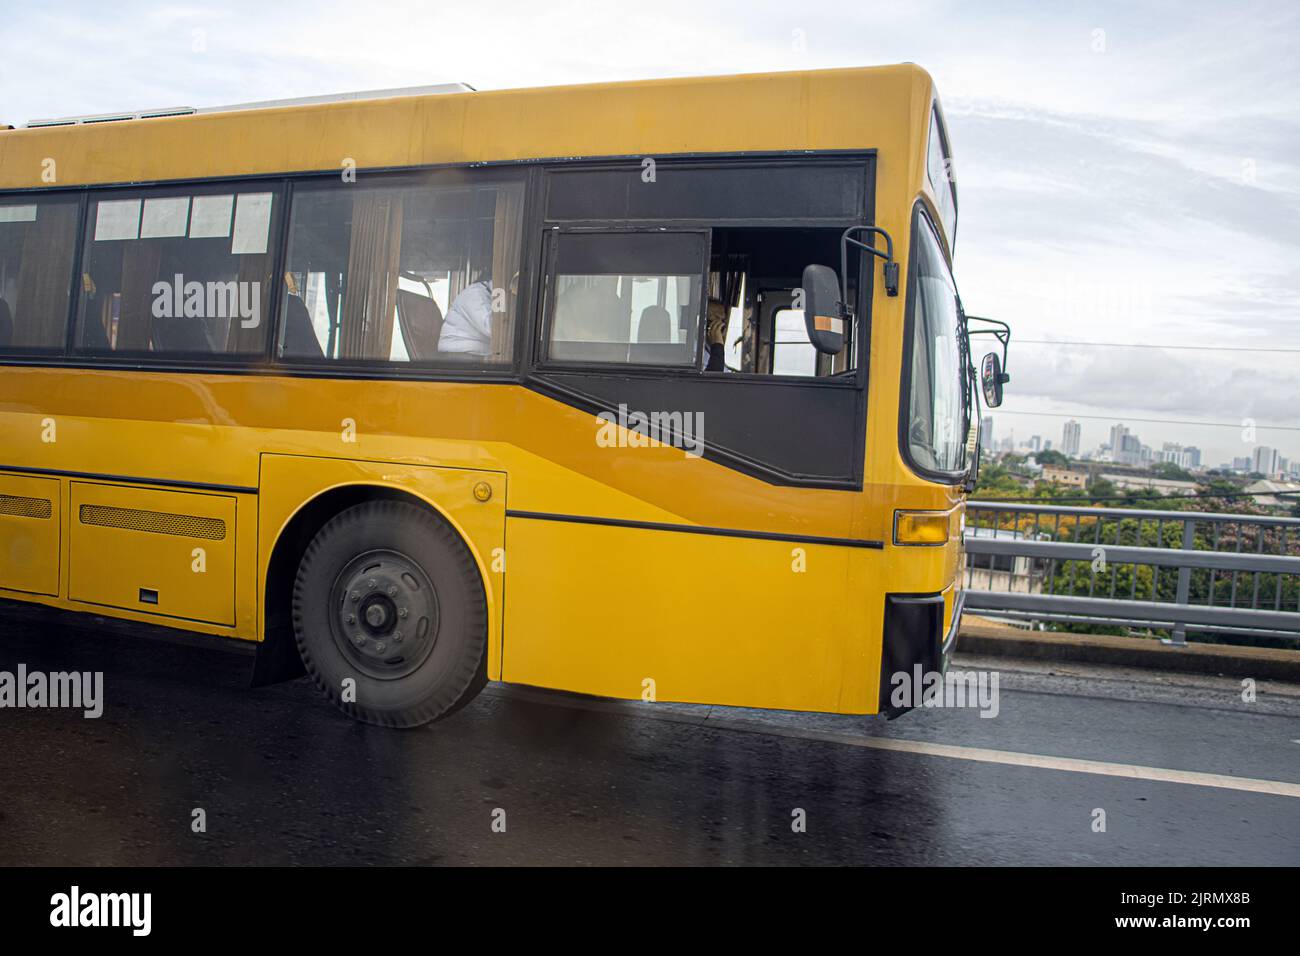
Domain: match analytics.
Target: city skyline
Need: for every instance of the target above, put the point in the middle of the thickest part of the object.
(1094, 437)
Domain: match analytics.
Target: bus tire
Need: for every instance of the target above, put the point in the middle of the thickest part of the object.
(389, 615)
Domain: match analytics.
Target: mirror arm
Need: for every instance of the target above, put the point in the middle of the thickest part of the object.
(1001, 332)
(891, 266)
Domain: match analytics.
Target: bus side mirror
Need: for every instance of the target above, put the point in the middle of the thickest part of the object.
(822, 312)
(992, 378)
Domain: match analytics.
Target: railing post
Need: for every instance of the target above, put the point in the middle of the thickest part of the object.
(1184, 582)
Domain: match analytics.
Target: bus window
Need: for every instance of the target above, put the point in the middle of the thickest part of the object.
(403, 272)
(38, 238)
(628, 298)
(942, 178)
(178, 272)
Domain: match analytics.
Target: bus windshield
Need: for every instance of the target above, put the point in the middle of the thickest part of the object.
(936, 428)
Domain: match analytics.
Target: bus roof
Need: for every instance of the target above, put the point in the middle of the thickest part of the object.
(884, 108)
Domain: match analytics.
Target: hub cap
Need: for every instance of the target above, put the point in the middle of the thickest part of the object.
(384, 615)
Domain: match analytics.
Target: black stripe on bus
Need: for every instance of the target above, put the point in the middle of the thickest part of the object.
(698, 529)
(125, 479)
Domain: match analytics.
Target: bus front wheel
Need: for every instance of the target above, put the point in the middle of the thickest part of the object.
(389, 615)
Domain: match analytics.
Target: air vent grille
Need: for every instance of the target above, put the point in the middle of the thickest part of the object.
(157, 522)
(25, 507)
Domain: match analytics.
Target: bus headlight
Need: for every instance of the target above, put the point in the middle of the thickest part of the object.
(921, 527)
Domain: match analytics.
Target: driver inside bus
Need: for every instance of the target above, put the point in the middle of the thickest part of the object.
(715, 337)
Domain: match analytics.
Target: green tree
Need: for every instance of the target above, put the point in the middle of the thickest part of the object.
(1167, 469)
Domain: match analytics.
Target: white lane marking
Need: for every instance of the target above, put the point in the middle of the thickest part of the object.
(1104, 768)
(1012, 758)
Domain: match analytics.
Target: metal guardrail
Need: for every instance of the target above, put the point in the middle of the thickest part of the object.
(1180, 571)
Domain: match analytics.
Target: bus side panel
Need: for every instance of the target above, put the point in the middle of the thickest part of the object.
(170, 553)
(30, 519)
(288, 482)
(708, 619)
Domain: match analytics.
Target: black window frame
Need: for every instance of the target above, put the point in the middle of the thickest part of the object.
(865, 274)
(529, 332)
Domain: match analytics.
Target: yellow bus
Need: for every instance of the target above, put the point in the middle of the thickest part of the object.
(652, 390)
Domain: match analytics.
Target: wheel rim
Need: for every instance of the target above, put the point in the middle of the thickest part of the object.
(384, 614)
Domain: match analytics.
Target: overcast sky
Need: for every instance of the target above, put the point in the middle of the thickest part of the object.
(1127, 172)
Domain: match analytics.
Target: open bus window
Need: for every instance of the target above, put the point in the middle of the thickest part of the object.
(755, 272)
(415, 271)
(38, 239)
(628, 298)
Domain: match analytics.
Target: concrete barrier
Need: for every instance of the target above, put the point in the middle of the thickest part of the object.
(990, 639)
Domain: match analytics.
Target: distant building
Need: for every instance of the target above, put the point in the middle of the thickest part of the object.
(1035, 443)
(986, 433)
(998, 572)
(1265, 461)
(1241, 464)
(1189, 457)
(1262, 488)
(1125, 447)
(1130, 450)
(1070, 438)
(1070, 477)
(1166, 486)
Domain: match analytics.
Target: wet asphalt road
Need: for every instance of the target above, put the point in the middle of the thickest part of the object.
(284, 779)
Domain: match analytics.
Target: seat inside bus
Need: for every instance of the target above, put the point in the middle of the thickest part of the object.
(420, 319)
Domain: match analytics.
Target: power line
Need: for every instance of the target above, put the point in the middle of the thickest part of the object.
(1149, 421)
(1144, 345)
